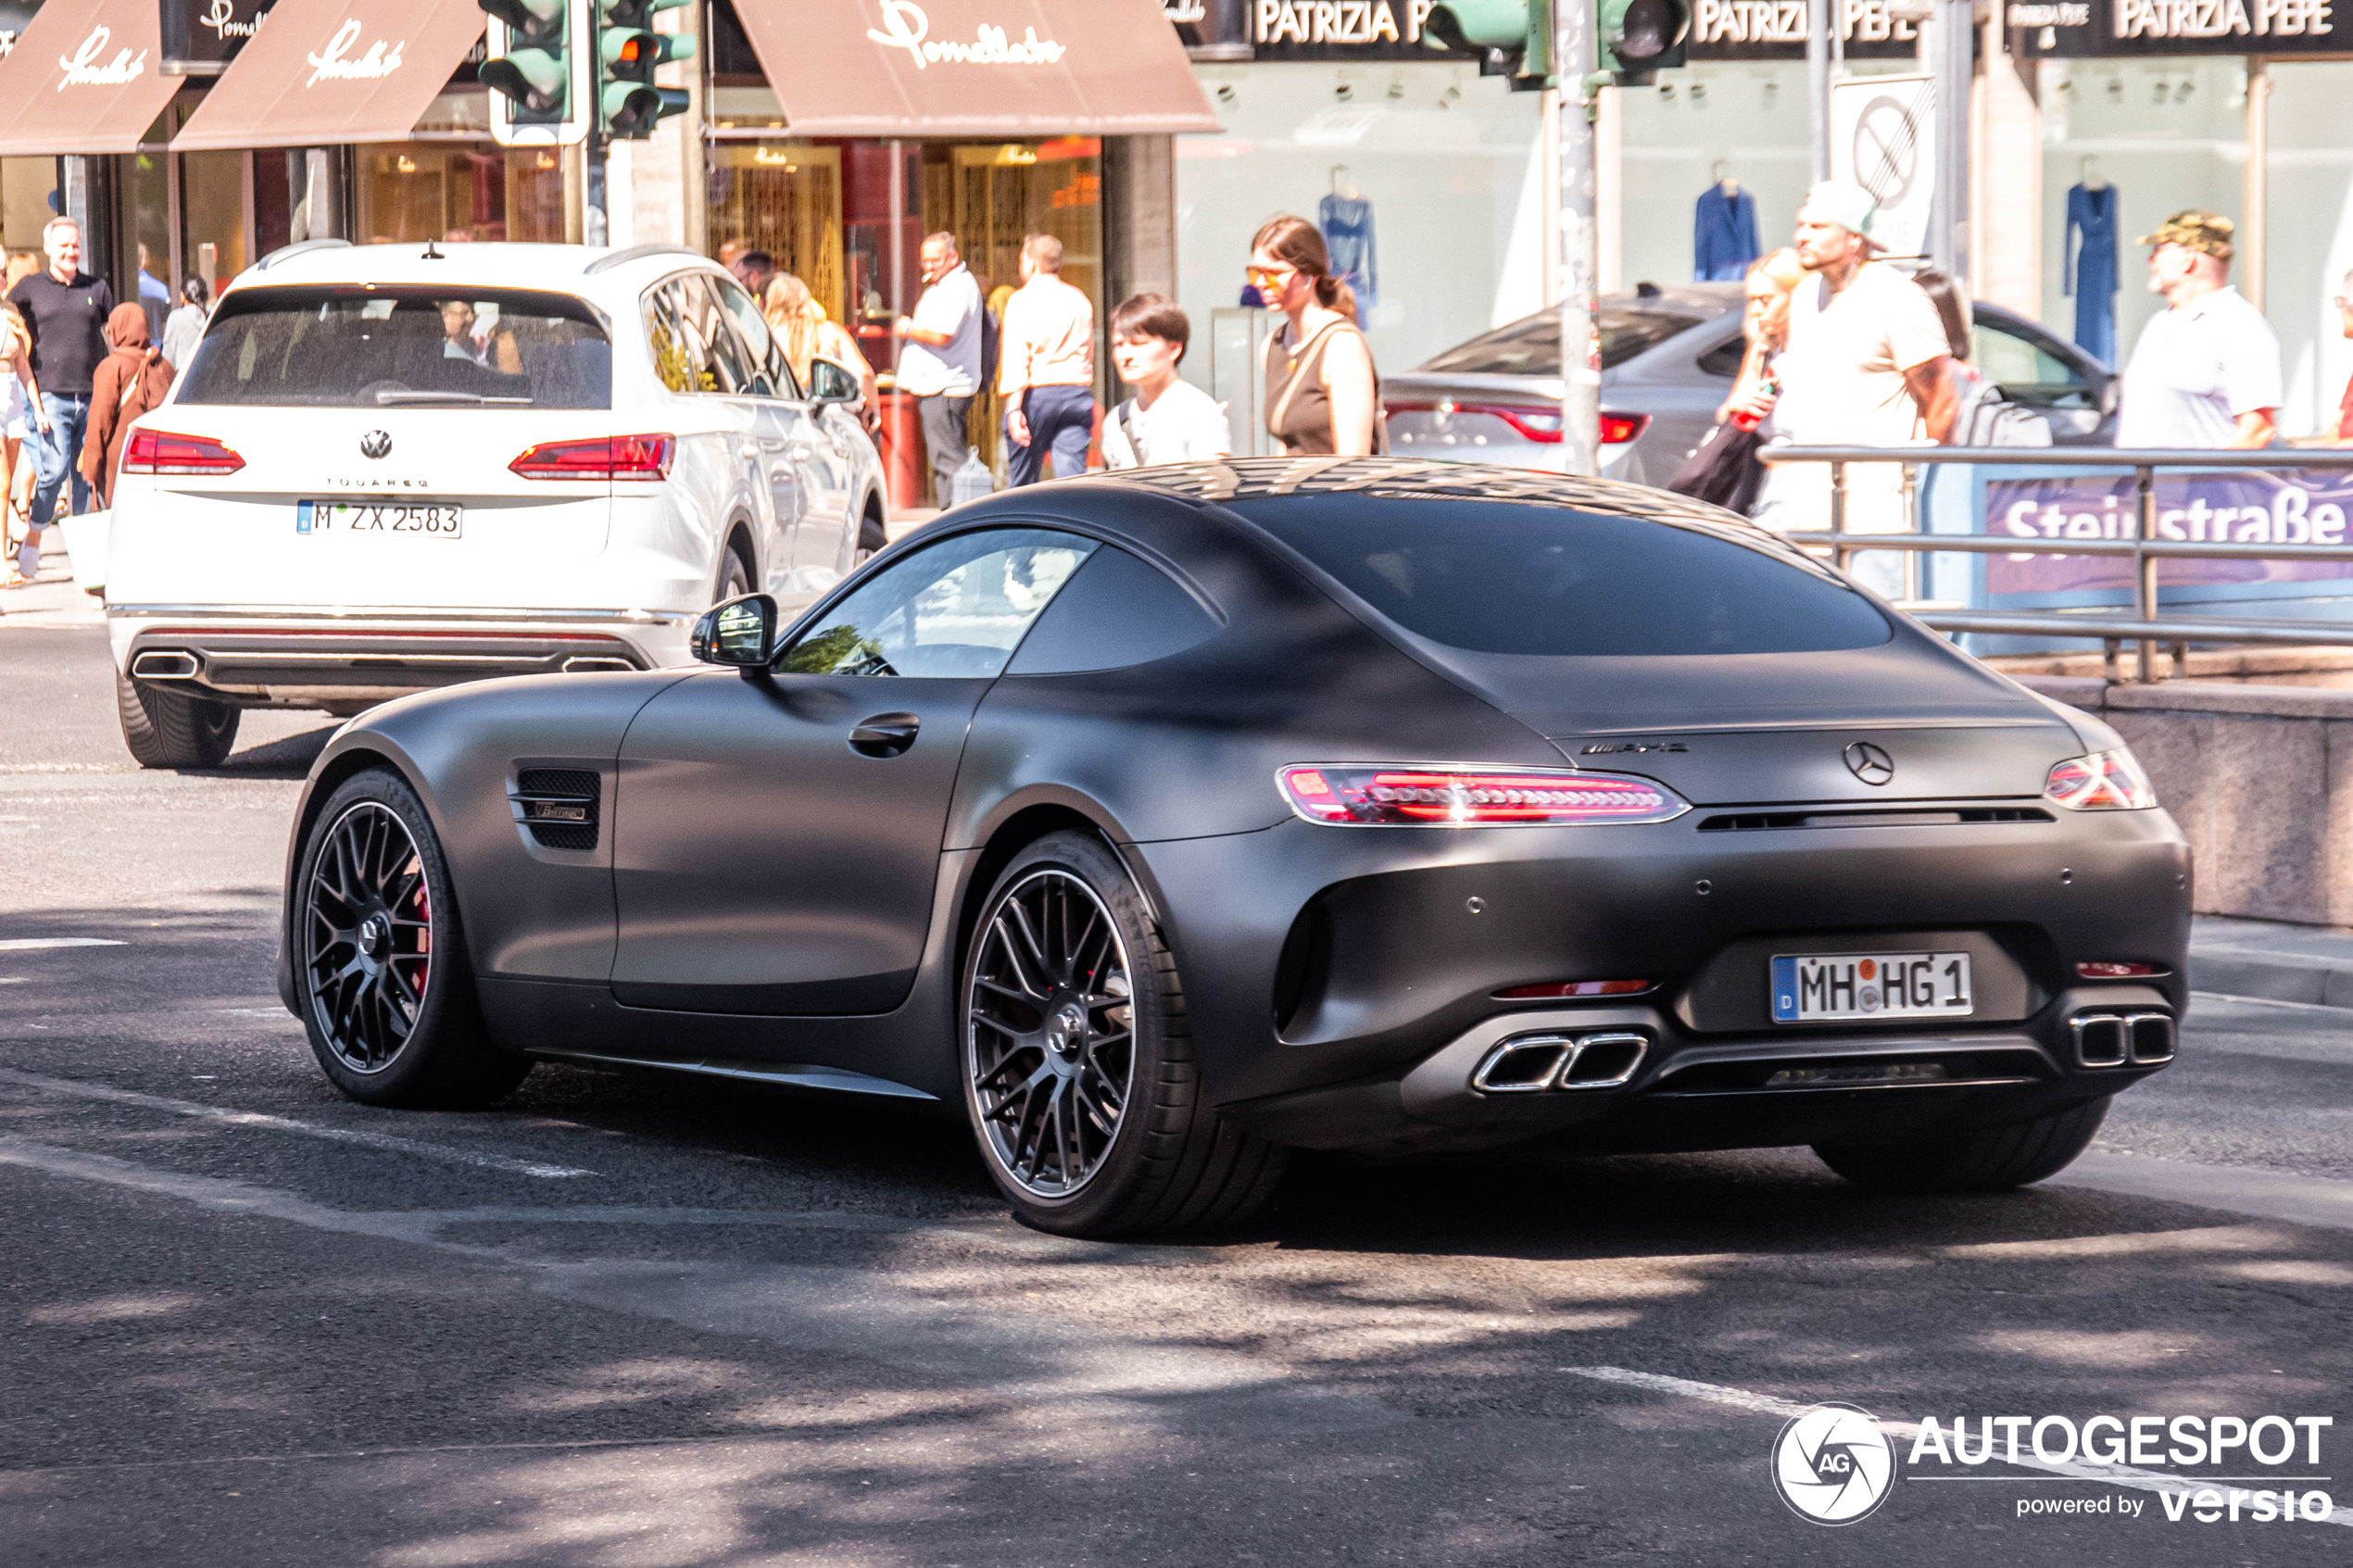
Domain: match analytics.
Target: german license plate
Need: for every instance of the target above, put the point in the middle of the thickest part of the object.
(1810, 986)
(438, 519)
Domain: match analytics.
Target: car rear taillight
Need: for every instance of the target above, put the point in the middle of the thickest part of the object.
(1539, 422)
(2105, 781)
(160, 451)
(602, 456)
(1568, 988)
(1619, 429)
(2117, 971)
(1361, 795)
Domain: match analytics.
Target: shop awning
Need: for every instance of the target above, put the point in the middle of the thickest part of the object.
(976, 67)
(327, 71)
(83, 78)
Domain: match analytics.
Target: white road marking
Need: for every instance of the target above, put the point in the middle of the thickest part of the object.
(2270, 1195)
(385, 1142)
(1905, 1431)
(29, 944)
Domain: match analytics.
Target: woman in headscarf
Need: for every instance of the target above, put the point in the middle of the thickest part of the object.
(808, 334)
(128, 382)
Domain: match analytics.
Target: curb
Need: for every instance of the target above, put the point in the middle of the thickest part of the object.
(2273, 977)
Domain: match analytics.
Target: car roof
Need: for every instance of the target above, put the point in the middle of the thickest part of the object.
(493, 265)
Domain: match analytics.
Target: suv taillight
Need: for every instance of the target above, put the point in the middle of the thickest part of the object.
(160, 451)
(1357, 795)
(603, 457)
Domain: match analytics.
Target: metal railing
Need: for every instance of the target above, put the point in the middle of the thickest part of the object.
(2144, 626)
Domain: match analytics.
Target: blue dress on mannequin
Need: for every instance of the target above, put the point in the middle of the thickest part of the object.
(1723, 235)
(2091, 269)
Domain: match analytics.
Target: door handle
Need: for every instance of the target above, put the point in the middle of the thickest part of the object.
(885, 735)
(748, 449)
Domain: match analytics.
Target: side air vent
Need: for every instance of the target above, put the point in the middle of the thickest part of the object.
(558, 807)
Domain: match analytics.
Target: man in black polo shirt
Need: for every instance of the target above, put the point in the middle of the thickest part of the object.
(66, 309)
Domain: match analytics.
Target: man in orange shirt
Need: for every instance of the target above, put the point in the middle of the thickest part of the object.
(1046, 368)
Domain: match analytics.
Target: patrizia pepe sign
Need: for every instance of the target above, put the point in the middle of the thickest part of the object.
(200, 37)
(2079, 28)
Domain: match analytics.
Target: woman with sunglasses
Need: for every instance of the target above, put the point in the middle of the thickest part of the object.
(1323, 395)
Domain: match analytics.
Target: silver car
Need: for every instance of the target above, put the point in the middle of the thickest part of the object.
(1668, 357)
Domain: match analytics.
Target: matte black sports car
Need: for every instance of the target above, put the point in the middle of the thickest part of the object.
(1162, 823)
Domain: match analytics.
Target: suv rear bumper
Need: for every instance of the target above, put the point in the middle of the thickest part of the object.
(261, 657)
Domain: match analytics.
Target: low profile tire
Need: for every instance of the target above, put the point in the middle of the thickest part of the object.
(1078, 1064)
(1990, 1159)
(165, 729)
(381, 978)
(735, 576)
(870, 533)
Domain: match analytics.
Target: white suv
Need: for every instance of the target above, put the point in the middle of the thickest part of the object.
(397, 466)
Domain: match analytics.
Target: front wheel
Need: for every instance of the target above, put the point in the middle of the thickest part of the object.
(1078, 1061)
(1990, 1159)
(381, 978)
(168, 728)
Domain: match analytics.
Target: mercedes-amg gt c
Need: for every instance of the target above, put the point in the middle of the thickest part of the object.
(1162, 823)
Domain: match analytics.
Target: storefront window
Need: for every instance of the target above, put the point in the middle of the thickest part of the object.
(212, 208)
(447, 190)
(28, 200)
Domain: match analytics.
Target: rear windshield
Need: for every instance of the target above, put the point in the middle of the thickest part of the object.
(1531, 346)
(392, 347)
(1498, 577)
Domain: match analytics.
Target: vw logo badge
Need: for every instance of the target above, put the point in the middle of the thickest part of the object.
(1869, 763)
(375, 443)
(1833, 1464)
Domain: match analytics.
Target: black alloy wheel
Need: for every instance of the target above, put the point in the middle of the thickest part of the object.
(1077, 1060)
(381, 978)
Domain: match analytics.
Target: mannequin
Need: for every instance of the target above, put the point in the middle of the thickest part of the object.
(1723, 230)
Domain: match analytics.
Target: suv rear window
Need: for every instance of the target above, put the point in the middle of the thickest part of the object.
(353, 347)
(1499, 577)
(1531, 346)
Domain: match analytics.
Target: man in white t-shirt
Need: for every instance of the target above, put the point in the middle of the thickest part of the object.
(940, 362)
(1866, 364)
(2206, 372)
(1169, 419)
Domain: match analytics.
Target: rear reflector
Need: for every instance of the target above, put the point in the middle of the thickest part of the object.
(603, 457)
(1574, 988)
(160, 451)
(1357, 795)
(2117, 971)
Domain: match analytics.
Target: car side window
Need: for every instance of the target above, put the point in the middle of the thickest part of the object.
(759, 345)
(957, 609)
(2027, 372)
(1724, 359)
(735, 371)
(675, 328)
(1116, 611)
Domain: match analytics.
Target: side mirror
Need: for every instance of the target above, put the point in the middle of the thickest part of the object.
(741, 632)
(829, 383)
(2111, 393)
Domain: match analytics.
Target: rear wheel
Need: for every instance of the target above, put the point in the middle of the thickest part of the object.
(1078, 1066)
(735, 576)
(381, 978)
(1989, 1159)
(165, 729)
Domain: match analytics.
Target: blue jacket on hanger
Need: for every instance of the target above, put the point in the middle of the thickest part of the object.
(1347, 225)
(2089, 253)
(1724, 236)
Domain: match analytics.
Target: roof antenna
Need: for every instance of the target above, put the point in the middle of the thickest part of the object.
(431, 254)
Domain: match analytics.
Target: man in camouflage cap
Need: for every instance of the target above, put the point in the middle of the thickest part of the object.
(2206, 372)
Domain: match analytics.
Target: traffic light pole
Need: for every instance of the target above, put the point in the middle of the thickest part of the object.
(1573, 67)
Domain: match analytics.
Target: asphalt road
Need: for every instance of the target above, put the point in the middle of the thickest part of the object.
(628, 1320)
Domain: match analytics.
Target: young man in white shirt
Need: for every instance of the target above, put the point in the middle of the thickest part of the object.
(2206, 372)
(1169, 419)
(940, 364)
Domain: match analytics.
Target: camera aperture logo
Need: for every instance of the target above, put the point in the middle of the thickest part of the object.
(1833, 1464)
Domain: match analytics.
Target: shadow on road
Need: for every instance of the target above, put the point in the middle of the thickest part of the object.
(287, 758)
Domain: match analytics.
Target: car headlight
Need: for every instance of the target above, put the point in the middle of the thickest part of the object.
(1373, 795)
(2105, 781)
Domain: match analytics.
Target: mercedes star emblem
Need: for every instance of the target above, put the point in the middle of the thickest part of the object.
(1869, 763)
(375, 443)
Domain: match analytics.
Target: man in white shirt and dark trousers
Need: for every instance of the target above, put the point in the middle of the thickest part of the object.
(2206, 372)
(1169, 419)
(940, 362)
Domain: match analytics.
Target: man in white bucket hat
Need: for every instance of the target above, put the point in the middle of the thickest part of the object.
(1868, 364)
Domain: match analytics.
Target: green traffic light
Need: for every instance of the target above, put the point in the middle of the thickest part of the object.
(529, 21)
(536, 79)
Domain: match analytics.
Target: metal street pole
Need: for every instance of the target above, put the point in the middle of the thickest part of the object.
(1953, 57)
(1573, 61)
(1818, 85)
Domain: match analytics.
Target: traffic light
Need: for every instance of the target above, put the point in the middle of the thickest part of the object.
(1638, 37)
(1513, 38)
(628, 104)
(532, 72)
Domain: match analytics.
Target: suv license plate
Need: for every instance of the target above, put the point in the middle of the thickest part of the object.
(440, 520)
(1815, 986)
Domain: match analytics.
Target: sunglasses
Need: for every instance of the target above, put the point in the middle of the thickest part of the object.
(1270, 277)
